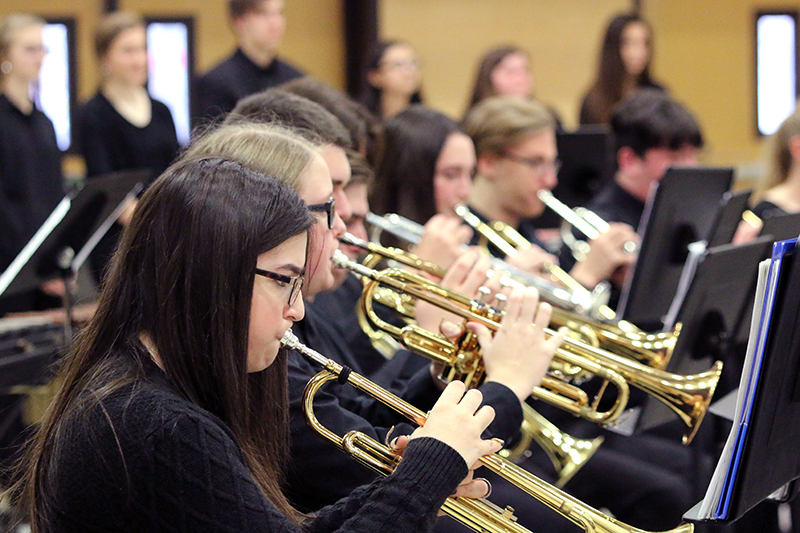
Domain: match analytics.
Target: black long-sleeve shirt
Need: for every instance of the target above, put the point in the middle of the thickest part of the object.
(168, 465)
(110, 143)
(319, 474)
(217, 92)
(31, 185)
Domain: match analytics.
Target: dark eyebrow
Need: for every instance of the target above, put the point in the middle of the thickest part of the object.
(294, 269)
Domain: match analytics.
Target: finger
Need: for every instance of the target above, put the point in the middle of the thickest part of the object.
(483, 333)
(451, 395)
(458, 272)
(543, 315)
(463, 233)
(477, 275)
(478, 488)
(552, 344)
(530, 303)
(471, 400)
(467, 480)
(449, 329)
(484, 417)
(514, 305)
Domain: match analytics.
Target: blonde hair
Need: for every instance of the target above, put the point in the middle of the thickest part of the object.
(269, 149)
(779, 155)
(499, 122)
(111, 26)
(10, 25)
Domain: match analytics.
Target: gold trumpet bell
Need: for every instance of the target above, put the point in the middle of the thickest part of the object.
(567, 453)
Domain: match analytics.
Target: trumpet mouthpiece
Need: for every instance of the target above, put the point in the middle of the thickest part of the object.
(289, 340)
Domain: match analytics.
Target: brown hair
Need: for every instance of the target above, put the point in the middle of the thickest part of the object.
(111, 26)
(238, 8)
(780, 156)
(360, 169)
(499, 122)
(10, 25)
(483, 87)
(606, 92)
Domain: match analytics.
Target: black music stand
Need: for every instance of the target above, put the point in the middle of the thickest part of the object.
(587, 164)
(728, 217)
(709, 313)
(680, 210)
(765, 461)
(69, 235)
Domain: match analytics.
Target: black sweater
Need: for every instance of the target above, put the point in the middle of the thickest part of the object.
(109, 143)
(30, 176)
(167, 465)
(217, 92)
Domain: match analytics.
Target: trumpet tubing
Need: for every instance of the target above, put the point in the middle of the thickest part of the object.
(479, 515)
(687, 396)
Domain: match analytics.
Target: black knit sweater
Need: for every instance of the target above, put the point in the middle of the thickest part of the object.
(148, 460)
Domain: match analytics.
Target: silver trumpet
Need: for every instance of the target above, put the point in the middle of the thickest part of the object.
(583, 220)
(577, 299)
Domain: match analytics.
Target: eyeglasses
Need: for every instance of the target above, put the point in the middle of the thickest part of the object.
(538, 165)
(295, 283)
(328, 207)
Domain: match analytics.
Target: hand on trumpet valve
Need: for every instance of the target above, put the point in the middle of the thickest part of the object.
(442, 240)
(532, 260)
(467, 275)
(458, 420)
(519, 355)
(611, 250)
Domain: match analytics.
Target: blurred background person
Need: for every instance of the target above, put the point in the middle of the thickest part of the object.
(121, 127)
(393, 80)
(254, 66)
(624, 68)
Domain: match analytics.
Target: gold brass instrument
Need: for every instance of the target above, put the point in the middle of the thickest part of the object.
(687, 396)
(621, 337)
(508, 240)
(580, 301)
(479, 515)
(567, 453)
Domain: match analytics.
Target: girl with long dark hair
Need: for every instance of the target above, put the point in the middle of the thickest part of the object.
(624, 67)
(172, 413)
(393, 79)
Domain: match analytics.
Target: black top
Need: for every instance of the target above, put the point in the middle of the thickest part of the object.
(110, 143)
(217, 92)
(766, 209)
(167, 465)
(615, 204)
(318, 474)
(30, 176)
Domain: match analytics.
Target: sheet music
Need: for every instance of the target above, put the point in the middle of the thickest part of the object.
(712, 498)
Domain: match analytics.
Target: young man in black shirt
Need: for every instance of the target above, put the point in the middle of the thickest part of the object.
(253, 67)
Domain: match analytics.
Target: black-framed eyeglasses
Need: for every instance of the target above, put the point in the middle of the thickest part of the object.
(538, 165)
(294, 282)
(328, 207)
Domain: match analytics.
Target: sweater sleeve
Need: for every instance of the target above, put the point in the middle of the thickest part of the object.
(198, 482)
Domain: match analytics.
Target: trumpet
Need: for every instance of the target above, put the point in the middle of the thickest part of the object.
(622, 337)
(479, 515)
(583, 220)
(577, 299)
(687, 396)
(507, 240)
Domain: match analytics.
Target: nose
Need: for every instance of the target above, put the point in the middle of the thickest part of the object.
(343, 208)
(296, 311)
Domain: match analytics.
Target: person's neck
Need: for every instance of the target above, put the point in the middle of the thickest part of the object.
(392, 104)
(18, 93)
(119, 91)
(632, 186)
(786, 195)
(484, 199)
(262, 58)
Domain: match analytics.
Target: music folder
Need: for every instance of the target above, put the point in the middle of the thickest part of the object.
(760, 459)
(78, 222)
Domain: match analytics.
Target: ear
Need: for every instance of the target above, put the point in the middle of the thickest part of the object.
(794, 148)
(626, 158)
(487, 165)
(375, 78)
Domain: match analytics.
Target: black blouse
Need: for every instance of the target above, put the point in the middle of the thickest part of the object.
(31, 185)
(110, 143)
